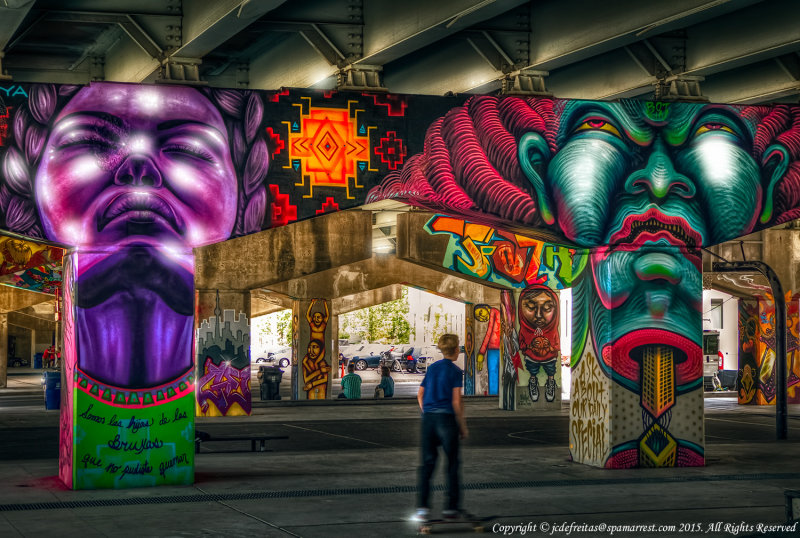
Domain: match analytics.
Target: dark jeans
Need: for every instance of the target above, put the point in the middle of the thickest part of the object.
(439, 429)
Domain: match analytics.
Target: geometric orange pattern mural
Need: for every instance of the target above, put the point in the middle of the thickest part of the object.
(327, 148)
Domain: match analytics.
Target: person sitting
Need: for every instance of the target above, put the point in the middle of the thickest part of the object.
(386, 387)
(351, 384)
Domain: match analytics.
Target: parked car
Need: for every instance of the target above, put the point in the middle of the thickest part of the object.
(365, 356)
(18, 361)
(280, 357)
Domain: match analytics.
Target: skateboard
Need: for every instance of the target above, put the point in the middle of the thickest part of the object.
(477, 524)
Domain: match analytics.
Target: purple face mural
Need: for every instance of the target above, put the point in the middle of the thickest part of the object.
(129, 164)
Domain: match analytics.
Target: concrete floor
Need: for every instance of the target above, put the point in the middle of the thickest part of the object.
(348, 469)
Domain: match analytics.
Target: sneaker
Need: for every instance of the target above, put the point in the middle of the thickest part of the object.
(533, 389)
(550, 389)
(422, 514)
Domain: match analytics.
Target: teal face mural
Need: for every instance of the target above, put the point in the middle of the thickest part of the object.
(641, 186)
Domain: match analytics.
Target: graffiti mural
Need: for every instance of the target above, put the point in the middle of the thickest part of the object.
(133, 177)
(315, 365)
(539, 345)
(29, 265)
(509, 352)
(223, 364)
(469, 353)
(500, 257)
(633, 183)
(757, 369)
(487, 363)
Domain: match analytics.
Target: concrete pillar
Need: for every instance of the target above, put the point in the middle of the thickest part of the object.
(469, 350)
(637, 395)
(223, 353)
(532, 336)
(314, 348)
(127, 395)
(487, 348)
(3, 350)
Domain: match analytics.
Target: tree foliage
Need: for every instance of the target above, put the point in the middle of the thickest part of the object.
(386, 322)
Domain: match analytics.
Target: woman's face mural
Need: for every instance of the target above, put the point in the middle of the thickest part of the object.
(130, 163)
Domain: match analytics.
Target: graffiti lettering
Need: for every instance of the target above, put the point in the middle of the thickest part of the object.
(164, 466)
(112, 468)
(504, 258)
(588, 412)
(89, 416)
(88, 460)
(13, 91)
(135, 424)
(136, 446)
(138, 468)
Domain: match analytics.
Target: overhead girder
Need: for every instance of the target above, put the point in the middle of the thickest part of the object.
(382, 32)
(12, 13)
(568, 34)
(390, 33)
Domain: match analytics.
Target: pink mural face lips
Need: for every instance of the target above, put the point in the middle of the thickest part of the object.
(140, 208)
(652, 226)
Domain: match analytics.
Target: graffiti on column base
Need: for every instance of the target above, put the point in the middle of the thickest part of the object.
(223, 362)
(589, 435)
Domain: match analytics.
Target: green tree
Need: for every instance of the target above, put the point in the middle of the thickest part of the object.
(387, 322)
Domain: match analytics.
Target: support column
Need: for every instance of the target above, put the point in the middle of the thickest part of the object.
(127, 397)
(469, 350)
(534, 359)
(637, 397)
(487, 344)
(3, 350)
(223, 353)
(313, 376)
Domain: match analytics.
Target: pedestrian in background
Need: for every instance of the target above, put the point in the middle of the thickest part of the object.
(386, 387)
(351, 384)
(443, 424)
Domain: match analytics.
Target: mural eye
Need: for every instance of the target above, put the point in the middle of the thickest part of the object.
(598, 124)
(188, 150)
(713, 126)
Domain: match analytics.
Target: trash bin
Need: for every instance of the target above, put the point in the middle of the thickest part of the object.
(270, 379)
(52, 389)
(37, 361)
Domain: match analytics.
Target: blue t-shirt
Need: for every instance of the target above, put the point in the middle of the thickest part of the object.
(440, 380)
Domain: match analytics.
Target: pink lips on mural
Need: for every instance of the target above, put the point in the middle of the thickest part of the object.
(653, 225)
(139, 207)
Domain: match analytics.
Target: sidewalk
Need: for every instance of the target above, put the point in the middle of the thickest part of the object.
(365, 485)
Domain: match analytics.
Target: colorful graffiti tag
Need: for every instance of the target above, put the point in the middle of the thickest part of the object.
(223, 364)
(500, 257)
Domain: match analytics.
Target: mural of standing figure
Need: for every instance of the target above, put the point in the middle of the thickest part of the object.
(489, 352)
(538, 338)
(510, 352)
(316, 370)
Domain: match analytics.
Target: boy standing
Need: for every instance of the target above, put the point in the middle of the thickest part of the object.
(443, 423)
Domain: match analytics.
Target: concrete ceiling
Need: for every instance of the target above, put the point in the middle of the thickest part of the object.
(739, 51)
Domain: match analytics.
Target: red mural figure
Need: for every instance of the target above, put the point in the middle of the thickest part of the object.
(538, 337)
(490, 348)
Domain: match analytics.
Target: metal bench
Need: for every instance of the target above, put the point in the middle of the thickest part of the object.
(261, 439)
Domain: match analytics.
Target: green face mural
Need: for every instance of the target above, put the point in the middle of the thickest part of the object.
(642, 186)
